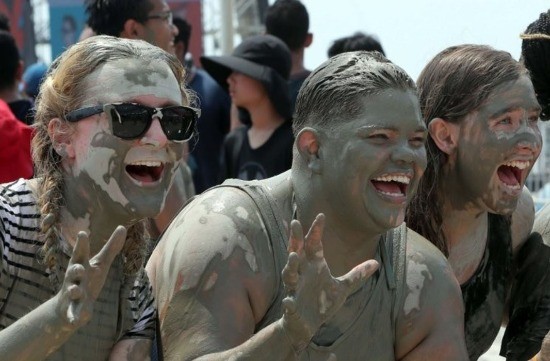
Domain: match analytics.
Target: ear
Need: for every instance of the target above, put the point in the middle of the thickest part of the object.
(309, 40)
(444, 134)
(307, 143)
(132, 29)
(60, 134)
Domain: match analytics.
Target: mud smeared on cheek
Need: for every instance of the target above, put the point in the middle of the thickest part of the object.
(416, 276)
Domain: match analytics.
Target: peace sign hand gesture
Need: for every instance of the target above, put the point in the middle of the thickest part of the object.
(85, 277)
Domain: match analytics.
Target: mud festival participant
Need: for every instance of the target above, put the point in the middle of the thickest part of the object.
(482, 115)
(111, 120)
(231, 284)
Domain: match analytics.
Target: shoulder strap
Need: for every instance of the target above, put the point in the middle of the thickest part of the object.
(269, 213)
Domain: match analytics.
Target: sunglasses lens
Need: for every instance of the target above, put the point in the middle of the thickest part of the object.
(178, 123)
(129, 121)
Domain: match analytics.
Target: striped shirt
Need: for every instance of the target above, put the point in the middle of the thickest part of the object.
(124, 309)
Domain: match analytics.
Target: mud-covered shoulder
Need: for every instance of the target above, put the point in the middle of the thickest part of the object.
(431, 297)
(219, 233)
(542, 223)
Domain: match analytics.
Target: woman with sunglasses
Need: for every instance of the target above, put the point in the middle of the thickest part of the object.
(111, 121)
(482, 113)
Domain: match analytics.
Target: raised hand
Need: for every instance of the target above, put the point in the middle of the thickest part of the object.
(313, 295)
(85, 277)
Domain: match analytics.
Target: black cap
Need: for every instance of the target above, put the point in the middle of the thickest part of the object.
(265, 58)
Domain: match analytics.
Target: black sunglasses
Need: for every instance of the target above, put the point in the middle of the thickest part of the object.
(131, 121)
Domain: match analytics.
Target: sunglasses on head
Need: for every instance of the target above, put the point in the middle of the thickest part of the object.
(131, 121)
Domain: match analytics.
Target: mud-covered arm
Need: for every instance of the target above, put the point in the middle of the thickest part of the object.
(215, 281)
(529, 302)
(46, 328)
(431, 319)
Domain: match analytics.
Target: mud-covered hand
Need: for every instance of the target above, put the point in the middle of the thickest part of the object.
(313, 295)
(86, 276)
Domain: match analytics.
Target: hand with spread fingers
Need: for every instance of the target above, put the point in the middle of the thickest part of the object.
(313, 294)
(85, 277)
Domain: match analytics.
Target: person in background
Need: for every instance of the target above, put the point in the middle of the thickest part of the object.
(535, 55)
(15, 156)
(112, 117)
(482, 114)
(11, 73)
(289, 21)
(357, 41)
(256, 76)
(149, 20)
(215, 106)
(32, 78)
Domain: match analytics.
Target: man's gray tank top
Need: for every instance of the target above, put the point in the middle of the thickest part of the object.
(364, 328)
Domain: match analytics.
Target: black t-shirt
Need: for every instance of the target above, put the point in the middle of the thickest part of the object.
(273, 157)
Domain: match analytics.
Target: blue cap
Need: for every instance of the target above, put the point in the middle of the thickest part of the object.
(32, 78)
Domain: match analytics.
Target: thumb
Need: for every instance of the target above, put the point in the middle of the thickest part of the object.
(354, 279)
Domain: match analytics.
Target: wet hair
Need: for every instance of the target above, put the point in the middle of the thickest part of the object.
(535, 54)
(62, 91)
(9, 61)
(4, 22)
(357, 41)
(289, 21)
(107, 17)
(184, 31)
(456, 82)
(331, 93)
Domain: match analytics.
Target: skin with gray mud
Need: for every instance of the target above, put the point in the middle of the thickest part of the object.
(214, 273)
(107, 189)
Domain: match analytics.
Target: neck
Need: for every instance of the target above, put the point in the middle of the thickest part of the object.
(345, 246)
(88, 212)
(465, 230)
(297, 62)
(264, 116)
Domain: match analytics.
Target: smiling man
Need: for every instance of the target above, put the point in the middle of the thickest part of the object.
(149, 20)
(359, 285)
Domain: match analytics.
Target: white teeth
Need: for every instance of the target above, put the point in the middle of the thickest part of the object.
(518, 164)
(147, 163)
(394, 178)
(513, 187)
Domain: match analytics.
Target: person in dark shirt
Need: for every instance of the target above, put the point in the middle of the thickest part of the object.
(256, 76)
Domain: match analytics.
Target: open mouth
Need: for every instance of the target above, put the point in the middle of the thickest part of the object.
(392, 185)
(145, 171)
(511, 173)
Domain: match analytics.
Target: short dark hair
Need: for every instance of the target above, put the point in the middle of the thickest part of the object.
(332, 92)
(4, 22)
(357, 41)
(289, 21)
(535, 54)
(107, 17)
(184, 31)
(9, 61)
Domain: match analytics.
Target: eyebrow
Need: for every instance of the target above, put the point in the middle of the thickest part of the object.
(498, 113)
(374, 127)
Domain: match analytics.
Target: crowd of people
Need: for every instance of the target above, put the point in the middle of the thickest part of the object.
(243, 207)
